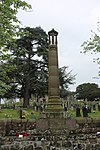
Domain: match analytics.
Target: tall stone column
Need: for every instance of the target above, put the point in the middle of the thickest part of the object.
(53, 82)
(54, 102)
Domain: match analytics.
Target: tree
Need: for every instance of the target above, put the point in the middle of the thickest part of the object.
(93, 44)
(26, 66)
(29, 56)
(7, 82)
(88, 91)
(8, 19)
(9, 25)
(66, 78)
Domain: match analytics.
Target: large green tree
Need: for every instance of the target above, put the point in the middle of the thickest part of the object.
(9, 25)
(29, 56)
(8, 19)
(26, 66)
(88, 91)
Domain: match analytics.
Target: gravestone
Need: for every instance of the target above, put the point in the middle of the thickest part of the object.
(99, 106)
(89, 109)
(85, 111)
(94, 107)
(20, 113)
(78, 114)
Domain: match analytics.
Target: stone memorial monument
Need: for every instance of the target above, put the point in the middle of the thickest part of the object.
(54, 107)
(53, 117)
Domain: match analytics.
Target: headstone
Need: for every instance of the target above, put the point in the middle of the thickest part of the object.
(99, 107)
(65, 108)
(94, 107)
(85, 111)
(20, 113)
(78, 114)
(89, 109)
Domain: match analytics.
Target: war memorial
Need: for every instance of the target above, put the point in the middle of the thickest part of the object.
(54, 130)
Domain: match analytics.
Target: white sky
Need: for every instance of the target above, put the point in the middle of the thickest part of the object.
(74, 20)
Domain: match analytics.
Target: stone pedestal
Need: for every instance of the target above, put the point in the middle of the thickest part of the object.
(56, 125)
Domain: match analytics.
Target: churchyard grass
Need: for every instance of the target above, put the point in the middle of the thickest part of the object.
(34, 115)
(93, 114)
(30, 114)
(8, 114)
(14, 114)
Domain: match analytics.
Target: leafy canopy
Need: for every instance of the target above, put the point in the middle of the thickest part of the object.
(8, 19)
(9, 25)
(93, 44)
(66, 78)
(28, 54)
(88, 91)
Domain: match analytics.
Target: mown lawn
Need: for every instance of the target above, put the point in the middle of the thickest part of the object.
(14, 114)
(93, 115)
(8, 113)
(31, 114)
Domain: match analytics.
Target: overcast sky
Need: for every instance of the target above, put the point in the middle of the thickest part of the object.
(74, 20)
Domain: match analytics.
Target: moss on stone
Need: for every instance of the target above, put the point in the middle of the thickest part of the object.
(54, 105)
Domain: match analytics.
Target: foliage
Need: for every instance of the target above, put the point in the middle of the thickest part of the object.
(66, 78)
(9, 25)
(8, 19)
(4, 86)
(27, 66)
(88, 91)
(93, 44)
(24, 70)
(29, 57)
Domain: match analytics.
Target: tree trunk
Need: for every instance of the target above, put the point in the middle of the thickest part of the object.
(27, 86)
(26, 94)
(26, 98)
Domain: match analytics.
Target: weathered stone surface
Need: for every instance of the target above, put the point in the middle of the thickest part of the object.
(73, 135)
(29, 147)
(53, 78)
(42, 124)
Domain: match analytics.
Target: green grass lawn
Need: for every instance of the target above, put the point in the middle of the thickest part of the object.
(14, 114)
(93, 115)
(30, 114)
(8, 113)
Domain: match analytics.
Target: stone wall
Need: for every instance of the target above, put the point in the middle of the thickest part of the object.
(12, 127)
(51, 142)
(79, 134)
